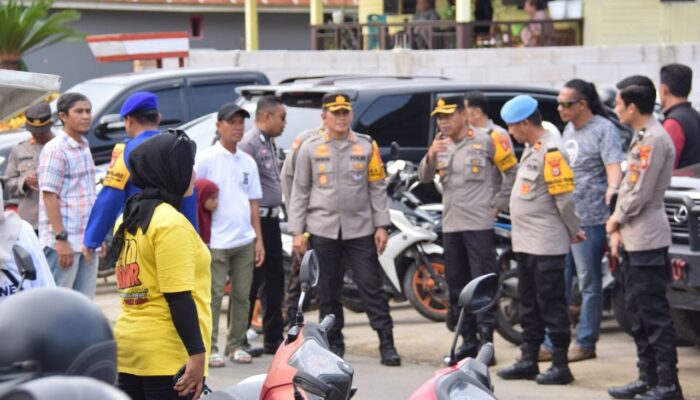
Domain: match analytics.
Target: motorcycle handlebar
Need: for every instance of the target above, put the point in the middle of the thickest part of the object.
(485, 354)
(327, 322)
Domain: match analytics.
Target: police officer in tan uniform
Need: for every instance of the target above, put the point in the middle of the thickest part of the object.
(640, 224)
(20, 176)
(339, 197)
(466, 161)
(544, 226)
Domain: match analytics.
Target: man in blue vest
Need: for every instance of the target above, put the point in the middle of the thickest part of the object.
(141, 120)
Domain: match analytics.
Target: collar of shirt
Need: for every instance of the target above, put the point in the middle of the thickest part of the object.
(72, 142)
(223, 150)
(351, 137)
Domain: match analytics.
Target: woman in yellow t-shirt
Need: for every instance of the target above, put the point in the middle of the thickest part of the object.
(163, 277)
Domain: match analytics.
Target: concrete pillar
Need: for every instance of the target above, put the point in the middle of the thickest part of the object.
(463, 11)
(316, 8)
(251, 25)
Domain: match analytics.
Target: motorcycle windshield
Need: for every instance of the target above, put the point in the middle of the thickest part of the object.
(316, 360)
(465, 391)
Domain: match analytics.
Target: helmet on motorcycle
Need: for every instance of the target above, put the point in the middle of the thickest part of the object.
(55, 331)
(62, 387)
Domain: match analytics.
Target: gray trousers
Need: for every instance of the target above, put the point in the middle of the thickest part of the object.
(237, 265)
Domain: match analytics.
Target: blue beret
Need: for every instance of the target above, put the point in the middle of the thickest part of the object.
(518, 109)
(139, 101)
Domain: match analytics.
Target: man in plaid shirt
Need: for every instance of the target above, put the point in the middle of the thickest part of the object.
(67, 182)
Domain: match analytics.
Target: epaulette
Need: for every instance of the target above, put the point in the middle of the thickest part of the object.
(363, 136)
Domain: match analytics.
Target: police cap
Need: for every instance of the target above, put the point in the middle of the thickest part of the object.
(336, 101)
(448, 104)
(38, 118)
(139, 102)
(518, 109)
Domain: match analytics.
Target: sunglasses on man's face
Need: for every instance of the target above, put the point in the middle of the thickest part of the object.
(568, 104)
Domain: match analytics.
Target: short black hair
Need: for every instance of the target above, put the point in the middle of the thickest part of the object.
(68, 100)
(478, 100)
(147, 117)
(266, 104)
(640, 91)
(535, 118)
(678, 78)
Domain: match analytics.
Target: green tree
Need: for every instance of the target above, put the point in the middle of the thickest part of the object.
(27, 28)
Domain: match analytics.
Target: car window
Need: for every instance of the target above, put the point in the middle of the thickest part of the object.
(403, 118)
(170, 105)
(205, 99)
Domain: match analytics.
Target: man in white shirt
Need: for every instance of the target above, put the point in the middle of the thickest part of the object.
(236, 240)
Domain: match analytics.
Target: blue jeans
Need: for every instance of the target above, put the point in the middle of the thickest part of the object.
(584, 261)
(81, 276)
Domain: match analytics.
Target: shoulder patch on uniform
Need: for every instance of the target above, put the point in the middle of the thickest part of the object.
(645, 156)
(557, 173)
(503, 157)
(375, 169)
(117, 174)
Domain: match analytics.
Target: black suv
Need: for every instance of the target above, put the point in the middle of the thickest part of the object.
(682, 204)
(390, 108)
(183, 95)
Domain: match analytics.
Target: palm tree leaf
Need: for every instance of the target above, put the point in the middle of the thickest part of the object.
(52, 26)
(29, 28)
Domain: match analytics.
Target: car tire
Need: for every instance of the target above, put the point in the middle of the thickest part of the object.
(687, 324)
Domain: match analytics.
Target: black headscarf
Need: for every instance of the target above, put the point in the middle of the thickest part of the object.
(162, 168)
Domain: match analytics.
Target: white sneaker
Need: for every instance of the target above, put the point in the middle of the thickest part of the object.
(251, 334)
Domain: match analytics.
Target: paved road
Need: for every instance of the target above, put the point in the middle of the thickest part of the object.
(422, 344)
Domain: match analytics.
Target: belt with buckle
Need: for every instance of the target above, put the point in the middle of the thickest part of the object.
(269, 212)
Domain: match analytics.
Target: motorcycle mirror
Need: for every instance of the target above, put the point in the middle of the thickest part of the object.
(480, 294)
(312, 384)
(24, 262)
(308, 271)
(394, 151)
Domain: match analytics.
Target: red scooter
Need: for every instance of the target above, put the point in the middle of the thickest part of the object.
(303, 367)
(468, 378)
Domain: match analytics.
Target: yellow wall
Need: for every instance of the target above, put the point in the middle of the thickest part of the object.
(367, 7)
(621, 22)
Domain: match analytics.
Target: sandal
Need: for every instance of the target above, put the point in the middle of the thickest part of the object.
(216, 361)
(240, 356)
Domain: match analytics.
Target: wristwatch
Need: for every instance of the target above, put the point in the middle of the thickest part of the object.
(62, 236)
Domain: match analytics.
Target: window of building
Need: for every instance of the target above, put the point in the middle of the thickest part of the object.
(196, 28)
(393, 7)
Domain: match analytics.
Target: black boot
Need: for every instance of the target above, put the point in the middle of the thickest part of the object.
(386, 348)
(486, 336)
(668, 387)
(526, 368)
(559, 373)
(647, 380)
